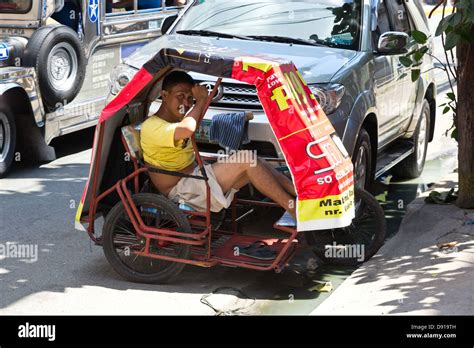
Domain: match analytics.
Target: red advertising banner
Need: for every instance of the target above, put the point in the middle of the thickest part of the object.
(320, 165)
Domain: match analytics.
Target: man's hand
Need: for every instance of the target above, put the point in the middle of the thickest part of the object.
(188, 125)
(200, 93)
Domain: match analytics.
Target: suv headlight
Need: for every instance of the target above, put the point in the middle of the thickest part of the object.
(329, 96)
(119, 78)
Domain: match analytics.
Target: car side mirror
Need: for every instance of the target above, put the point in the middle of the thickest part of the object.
(167, 22)
(393, 42)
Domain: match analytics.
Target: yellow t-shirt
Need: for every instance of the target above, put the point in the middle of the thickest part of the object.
(159, 147)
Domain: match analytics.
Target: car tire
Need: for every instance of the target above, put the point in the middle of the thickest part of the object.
(57, 55)
(368, 228)
(362, 160)
(412, 166)
(7, 139)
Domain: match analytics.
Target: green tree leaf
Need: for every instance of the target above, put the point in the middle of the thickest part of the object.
(446, 110)
(406, 61)
(443, 25)
(455, 19)
(418, 56)
(415, 74)
(402, 76)
(452, 40)
(451, 96)
(454, 134)
(419, 37)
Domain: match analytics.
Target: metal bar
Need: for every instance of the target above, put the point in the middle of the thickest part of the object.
(30, 25)
(131, 20)
(259, 203)
(234, 214)
(106, 193)
(176, 259)
(175, 240)
(129, 211)
(138, 32)
(167, 232)
(244, 215)
(201, 164)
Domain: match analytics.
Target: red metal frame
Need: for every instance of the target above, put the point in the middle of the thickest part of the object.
(200, 240)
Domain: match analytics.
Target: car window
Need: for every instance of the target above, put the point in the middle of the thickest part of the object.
(383, 22)
(336, 22)
(15, 6)
(398, 15)
(122, 6)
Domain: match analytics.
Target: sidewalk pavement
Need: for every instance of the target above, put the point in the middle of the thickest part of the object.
(420, 271)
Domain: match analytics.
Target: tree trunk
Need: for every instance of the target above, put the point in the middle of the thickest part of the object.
(465, 124)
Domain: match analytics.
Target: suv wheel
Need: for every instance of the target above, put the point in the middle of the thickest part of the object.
(412, 167)
(362, 160)
(7, 139)
(58, 57)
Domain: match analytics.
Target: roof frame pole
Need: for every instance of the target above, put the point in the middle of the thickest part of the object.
(201, 167)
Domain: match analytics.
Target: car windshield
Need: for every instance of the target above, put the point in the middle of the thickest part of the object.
(15, 6)
(327, 22)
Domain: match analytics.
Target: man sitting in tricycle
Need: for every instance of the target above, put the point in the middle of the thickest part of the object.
(165, 140)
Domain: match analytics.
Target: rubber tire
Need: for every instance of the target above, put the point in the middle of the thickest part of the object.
(408, 168)
(36, 55)
(363, 140)
(6, 162)
(170, 272)
(378, 241)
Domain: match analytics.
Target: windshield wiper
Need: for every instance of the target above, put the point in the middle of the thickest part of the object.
(212, 33)
(285, 39)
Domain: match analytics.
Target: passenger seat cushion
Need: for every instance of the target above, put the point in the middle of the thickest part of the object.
(131, 133)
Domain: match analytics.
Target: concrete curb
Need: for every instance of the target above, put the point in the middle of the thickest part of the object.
(411, 274)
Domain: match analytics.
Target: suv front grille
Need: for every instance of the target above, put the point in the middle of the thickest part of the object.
(237, 96)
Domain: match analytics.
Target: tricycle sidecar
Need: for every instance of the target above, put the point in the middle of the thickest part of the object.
(148, 238)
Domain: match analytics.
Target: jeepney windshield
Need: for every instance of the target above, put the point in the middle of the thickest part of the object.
(327, 22)
(15, 6)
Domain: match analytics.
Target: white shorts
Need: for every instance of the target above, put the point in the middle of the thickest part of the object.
(193, 192)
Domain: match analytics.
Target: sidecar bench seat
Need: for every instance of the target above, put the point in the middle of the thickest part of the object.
(131, 135)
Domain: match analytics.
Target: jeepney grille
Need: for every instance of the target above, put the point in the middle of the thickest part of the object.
(237, 96)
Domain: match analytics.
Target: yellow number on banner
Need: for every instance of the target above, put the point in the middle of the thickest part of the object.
(281, 98)
(265, 67)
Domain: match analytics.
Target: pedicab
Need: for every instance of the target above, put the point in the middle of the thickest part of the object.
(148, 238)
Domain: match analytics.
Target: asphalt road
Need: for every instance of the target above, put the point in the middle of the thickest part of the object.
(71, 276)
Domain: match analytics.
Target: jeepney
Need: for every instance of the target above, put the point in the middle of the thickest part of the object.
(55, 60)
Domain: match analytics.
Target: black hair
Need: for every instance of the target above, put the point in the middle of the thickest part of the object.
(175, 78)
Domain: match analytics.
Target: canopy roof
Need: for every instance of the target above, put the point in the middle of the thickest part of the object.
(319, 164)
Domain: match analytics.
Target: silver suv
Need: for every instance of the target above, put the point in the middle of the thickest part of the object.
(347, 50)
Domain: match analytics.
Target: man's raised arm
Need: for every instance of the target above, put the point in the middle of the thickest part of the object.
(188, 125)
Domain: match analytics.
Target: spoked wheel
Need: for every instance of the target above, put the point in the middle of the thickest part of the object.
(121, 242)
(356, 243)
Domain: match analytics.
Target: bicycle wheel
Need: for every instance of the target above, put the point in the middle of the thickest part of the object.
(121, 243)
(356, 243)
